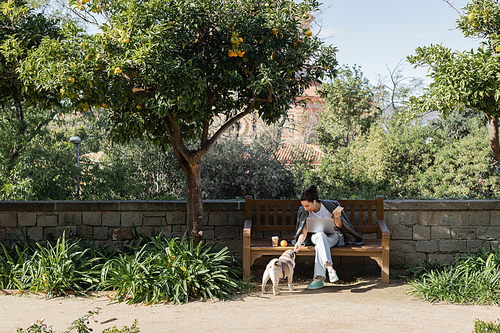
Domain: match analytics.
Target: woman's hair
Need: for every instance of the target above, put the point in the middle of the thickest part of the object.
(310, 194)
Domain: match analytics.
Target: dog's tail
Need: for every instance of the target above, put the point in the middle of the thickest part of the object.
(274, 262)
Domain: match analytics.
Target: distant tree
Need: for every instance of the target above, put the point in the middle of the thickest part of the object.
(167, 70)
(21, 29)
(348, 111)
(467, 79)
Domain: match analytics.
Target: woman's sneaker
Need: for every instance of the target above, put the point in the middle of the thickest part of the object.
(332, 274)
(316, 284)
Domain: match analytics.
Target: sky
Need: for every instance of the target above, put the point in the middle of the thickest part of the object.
(378, 34)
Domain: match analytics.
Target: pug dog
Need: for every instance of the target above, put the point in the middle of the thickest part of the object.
(279, 269)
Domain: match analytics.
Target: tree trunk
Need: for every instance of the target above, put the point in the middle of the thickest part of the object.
(194, 201)
(493, 132)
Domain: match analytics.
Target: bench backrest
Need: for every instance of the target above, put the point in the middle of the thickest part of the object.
(281, 214)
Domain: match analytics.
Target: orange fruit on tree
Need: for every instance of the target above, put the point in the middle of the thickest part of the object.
(118, 70)
(72, 79)
(309, 33)
(275, 31)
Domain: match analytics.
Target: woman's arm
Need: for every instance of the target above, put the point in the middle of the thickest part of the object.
(301, 238)
(336, 217)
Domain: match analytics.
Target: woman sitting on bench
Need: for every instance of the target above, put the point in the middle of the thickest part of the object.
(344, 233)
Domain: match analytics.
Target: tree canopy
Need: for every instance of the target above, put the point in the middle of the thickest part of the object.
(465, 79)
(181, 72)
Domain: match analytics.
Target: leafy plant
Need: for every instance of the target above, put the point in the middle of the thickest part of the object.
(171, 270)
(79, 325)
(486, 327)
(472, 279)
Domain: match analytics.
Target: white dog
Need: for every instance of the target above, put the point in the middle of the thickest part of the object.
(279, 269)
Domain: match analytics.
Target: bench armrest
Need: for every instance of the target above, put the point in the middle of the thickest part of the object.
(383, 231)
(247, 233)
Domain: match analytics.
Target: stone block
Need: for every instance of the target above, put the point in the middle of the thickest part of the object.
(8, 219)
(70, 219)
(452, 245)
(428, 218)
(35, 233)
(2, 234)
(495, 218)
(92, 218)
(129, 219)
(57, 232)
(110, 219)
(227, 232)
(407, 246)
(176, 217)
(440, 232)
(157, 221)
(208, 234)
(218, 218)
(236, 218)
(46, 220)
(408, 218)
(440, 257)
(26, 219)
(101, 233)
(117, 234)
(480, 218)
(402, 232)
(448, 218)
(495, 245)
(392, 220)
(421, 232)
(14, 233)
(488, 233)
(427, 246)
(463, 233)
(397, 258)
(476, 245)
(166, 230)
(370, 235)
(412, 259)
(393, 245)
(84, 230)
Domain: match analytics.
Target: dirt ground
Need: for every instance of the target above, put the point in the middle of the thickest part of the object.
(364, 305)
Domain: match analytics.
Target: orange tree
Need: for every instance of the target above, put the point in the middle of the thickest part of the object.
(468, 79)
(181, 72)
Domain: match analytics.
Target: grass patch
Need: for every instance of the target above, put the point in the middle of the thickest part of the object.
(471, 279)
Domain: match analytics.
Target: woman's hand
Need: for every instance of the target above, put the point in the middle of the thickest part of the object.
(336, 218)
(297, 247)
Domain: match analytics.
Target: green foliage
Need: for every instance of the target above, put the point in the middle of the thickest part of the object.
(486, 327)
(169, 71)
(150, 269)
(79, 325)
(348, 111)
(472, 279)
(169, 270)
(447, 158)
(233, 169)
(467, 79)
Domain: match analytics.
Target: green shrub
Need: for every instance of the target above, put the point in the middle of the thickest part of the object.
(471, 279)
(486, 327)
(171, 270)
(147, 270)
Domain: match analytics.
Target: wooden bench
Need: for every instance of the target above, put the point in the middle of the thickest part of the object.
(266, 218)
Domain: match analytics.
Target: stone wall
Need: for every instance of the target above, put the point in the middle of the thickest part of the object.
(439, 229)
(420, 229)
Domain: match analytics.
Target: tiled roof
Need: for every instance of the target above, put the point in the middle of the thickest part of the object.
(289, 153)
